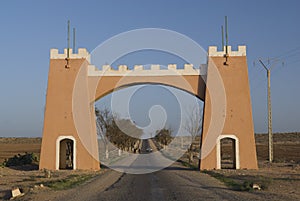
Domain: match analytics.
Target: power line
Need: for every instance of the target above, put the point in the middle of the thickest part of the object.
(288, 54)
(285, 57)
(269, 61)
(292, 62)
(257, 80)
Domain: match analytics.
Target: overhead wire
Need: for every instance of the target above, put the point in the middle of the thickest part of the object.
(286, 61)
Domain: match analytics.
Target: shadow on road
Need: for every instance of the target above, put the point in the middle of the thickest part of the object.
(179, 168)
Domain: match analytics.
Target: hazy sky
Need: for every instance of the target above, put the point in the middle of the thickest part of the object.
(28, 29)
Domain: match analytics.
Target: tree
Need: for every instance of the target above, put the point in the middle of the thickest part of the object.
(123, 138)
(164, 136)
(115, 130)
(104, 120)
(193, 125)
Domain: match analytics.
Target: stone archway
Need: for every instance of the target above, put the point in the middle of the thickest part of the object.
(63, 108)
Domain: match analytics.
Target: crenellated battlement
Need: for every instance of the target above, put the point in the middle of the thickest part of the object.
(140, 70)
(213, 51)
(81, 53)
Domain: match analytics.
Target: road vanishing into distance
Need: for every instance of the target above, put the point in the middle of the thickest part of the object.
(175, 182)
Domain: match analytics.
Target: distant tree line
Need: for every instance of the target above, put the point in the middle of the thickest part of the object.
(117, 131)
(164, 137)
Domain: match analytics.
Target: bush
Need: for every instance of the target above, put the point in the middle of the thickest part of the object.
(19, 160)
(247, 186)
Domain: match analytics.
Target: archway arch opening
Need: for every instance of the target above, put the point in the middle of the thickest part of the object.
(140, 106)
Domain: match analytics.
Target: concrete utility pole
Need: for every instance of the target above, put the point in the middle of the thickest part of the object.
(269, 112)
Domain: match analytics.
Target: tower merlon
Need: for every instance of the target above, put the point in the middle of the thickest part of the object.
(172, 66)
(155, 67)
(213, 51)
(122, 68)
(138, 67)
(188, 67)
(82, 54)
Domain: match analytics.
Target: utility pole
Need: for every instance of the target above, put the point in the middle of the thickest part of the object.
(269, 111)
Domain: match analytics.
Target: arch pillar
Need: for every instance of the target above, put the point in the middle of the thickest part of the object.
(58, 114)
(237, 113)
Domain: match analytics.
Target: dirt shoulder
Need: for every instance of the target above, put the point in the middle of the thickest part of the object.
(99, 182)
(278, 179)
(35, 181)
(282, 177)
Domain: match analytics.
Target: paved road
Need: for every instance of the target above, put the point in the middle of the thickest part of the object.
(176, 183)
(173, 183)
(145, 162)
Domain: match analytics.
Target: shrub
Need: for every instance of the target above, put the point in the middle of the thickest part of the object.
(19, 160)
